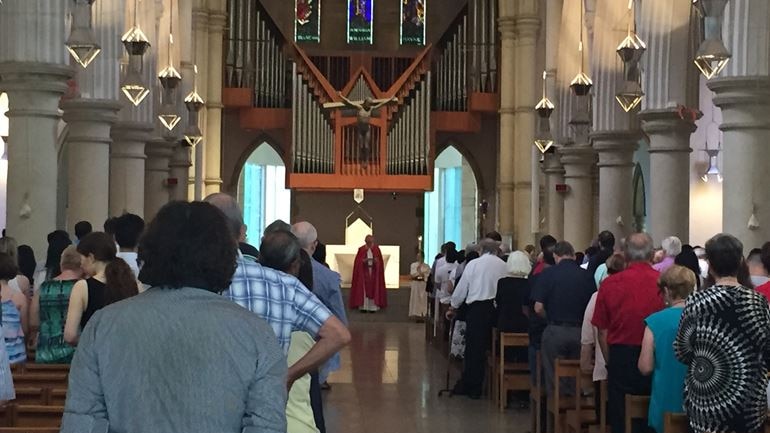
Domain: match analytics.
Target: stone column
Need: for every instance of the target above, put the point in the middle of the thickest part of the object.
(200, 23)
(88, 165)
(127, 167)
(669, 193)
(746, 133)
(616, 171)
(554, 175)
(526, 186)
(156, 193)
(578, 164)
(34, 91)
(180, 171)
(506, 173)
(213, 165)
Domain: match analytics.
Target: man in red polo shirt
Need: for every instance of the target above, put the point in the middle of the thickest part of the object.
(624, 301)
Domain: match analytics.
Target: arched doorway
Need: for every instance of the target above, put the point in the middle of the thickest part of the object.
(451, 209)
(262, 191)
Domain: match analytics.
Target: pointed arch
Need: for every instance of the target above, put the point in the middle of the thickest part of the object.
(258, 141)
(640, 199)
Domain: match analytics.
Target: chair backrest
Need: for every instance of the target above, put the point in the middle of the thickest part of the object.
(57, 396)
(674, 423)
(37, 415)
(637, 407)
(564, 368)
(31, 395)
(40, 379)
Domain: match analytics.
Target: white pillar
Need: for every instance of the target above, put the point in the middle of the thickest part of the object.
(669, 193)
(746, 133)
(127, 170)
(506, 177)
(180, 169)
(88, 154)
(156, 193)
(34, 91)
(616, 170)
(578, 164)
(554, 175)
(200, 27)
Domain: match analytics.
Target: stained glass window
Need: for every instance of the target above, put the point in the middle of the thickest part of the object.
(413, 22)
(360, 21)
(307, 20)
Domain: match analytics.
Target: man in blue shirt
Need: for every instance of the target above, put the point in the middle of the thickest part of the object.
(326, 285)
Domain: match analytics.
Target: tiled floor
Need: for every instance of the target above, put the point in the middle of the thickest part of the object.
(389, 383)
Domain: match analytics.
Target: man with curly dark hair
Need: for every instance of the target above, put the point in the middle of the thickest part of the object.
(179, 343)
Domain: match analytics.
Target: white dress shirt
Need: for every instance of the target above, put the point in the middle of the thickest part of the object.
(443, 281)
(479, 280)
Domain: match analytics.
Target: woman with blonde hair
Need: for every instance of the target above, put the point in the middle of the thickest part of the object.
(48, 311)
(512, 298)
(657, 356)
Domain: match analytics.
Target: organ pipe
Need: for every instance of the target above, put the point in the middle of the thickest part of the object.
(312, 135)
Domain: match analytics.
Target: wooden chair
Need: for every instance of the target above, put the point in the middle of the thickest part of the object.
(582, 417)
(536, 396)
(492, 366)
(511, 376)
(36, 415)
(674, 423)
(637, 407)
(558, 405)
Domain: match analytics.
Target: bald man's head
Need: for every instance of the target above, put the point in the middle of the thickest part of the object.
(229, 206)
(307, 236)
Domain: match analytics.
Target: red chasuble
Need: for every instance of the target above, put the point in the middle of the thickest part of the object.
(368, 281)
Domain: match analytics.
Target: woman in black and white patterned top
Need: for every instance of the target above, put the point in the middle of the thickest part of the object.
(724, 339)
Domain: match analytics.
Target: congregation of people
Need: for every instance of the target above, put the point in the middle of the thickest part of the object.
(687, 326)
(240, 338)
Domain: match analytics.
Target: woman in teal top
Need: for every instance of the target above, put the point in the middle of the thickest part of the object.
(657, 356)
(49, 311)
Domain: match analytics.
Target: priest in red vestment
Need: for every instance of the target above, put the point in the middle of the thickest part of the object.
(367, 291)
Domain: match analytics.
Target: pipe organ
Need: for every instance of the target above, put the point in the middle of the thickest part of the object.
(295, 97)
(255, 57)
(312, 134)
(409, 137)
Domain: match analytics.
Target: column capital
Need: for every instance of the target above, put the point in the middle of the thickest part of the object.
(125, 130)
(506, 25)
(668, 122)
(552, 163)
(159, 148)
(744, 101)
(615, 148)
(527, 26)
(33, 76)
(578, 161)
(91, 110)
(217, 21)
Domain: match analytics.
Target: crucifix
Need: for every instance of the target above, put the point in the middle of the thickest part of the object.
(364, 111)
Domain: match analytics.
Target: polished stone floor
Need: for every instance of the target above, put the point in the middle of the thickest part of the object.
(389, 383)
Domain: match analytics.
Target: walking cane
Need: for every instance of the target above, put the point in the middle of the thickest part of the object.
(449, 390)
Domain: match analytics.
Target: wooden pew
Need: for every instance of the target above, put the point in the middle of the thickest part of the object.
(581, 417)
(32, 395)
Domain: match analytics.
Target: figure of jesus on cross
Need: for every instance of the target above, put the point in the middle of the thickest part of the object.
(364, 110)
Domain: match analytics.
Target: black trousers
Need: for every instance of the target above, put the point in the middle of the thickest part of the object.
(479, 320)
(316, 403)
(624, 378)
